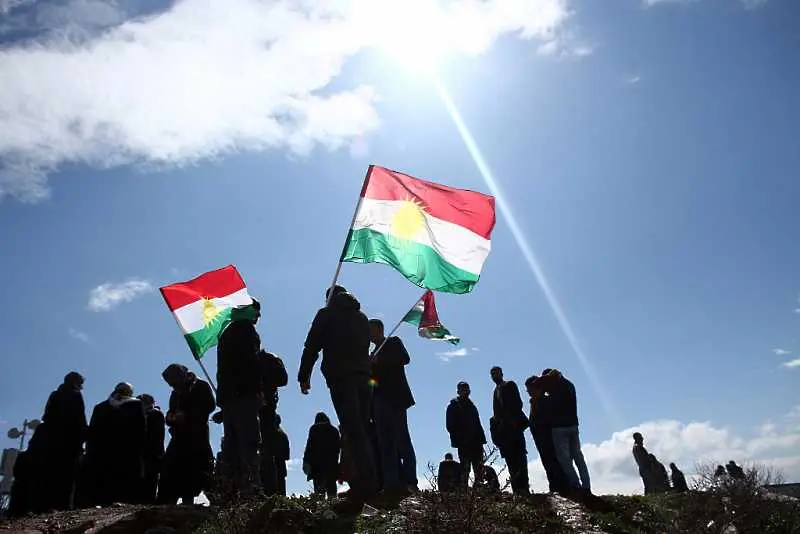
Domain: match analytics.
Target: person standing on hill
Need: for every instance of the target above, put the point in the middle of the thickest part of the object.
(341, 331)
(321, 456)
(678, 479)
(154, 447)
(392, 398)
(541, 426)
(507, 427)
(466, 433)
(642, 457)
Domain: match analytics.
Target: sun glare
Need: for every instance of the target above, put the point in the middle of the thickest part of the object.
(411, 32)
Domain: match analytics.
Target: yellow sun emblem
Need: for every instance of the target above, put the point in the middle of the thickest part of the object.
(409, 220)
(210, 311)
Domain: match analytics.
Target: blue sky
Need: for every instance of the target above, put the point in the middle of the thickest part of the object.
(647, 152)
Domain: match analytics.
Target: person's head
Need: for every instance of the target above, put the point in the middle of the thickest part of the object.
(74, 381)
(257, 307)
(175, 375)
(321, 417)
(376, 331)
(448, 457)
(147, 400)
(462, 390)
(529, 387)
(121, 390)
(638, 438)
(497, 375)
(546, 371)
(333, 291)
(673, 466)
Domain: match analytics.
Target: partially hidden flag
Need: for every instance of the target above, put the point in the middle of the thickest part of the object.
(438, 237)
(423, 315)
(206, 305)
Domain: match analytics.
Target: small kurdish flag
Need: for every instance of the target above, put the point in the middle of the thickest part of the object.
(438, 237)
(423, 315)
(205, 306)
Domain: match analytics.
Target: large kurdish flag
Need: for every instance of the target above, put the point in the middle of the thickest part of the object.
(437, 236)
(204, 306)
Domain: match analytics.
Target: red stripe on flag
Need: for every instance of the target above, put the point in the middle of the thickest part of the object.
(474, 211)
(429, 315)
(210, 285)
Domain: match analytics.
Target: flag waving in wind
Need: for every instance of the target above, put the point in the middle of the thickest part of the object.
(423, 315)
(438, 237)
(205, 306)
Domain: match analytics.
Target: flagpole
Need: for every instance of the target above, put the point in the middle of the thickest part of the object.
(386, 338)
(208, 377)
(349, 229)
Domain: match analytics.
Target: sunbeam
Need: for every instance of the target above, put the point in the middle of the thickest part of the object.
(527, 251)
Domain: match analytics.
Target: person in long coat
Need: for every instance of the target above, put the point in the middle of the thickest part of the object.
(188, 461)
(115, 448)
(154, 448)
(321, 456)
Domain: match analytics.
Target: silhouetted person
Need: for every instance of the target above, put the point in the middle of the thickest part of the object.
(282, 454)
(507, 427)
(341, 331)
(659, 478)
(678, 479)
(115, 448)
(489, 479)
(188, 460)
(719, 472)
(566, 437)
(734, 471)
(153, 449)
(273, 376)
(642, 458)
(466, 432)
(541, 425)
(57, 445)
(321, 456)
(449, 477)
(239, 395)
(392, 398)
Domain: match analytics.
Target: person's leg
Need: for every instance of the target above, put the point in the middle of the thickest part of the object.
(406, 449)
(561, 444)
(232, 446)
(517, 463)
(465, 460)
(476, 459)
(577, 457)
(350, 401)
(388, 446)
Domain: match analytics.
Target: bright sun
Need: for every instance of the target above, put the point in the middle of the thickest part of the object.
(412, 32)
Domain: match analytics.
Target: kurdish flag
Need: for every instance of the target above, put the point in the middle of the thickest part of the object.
(423, 315)
(438, 237)
(205, 306)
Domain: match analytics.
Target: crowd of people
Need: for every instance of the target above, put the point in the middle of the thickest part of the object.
(119, 455)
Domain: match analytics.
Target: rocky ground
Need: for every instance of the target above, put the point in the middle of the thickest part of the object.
(437, 513)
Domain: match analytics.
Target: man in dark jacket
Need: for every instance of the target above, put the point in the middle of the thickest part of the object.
(507, 428)
(392, 398)
(566, 438)
(341, 331)
(57, 443)
(154, 447)
(466, 433)
(273, 376)
(321, 456)
(115, 448)
(189, 459)
(450, 475)
(239, 394)
(542, 431)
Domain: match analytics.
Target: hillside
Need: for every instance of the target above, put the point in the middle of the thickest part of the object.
(437, 513)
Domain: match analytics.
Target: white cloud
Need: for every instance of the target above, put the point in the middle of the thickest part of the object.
(633, 80)
(77, 334)
(203, 79)
(455, 353)
(7, 5)
(781, 352)
(791, 364)
(109, 295)
(613, 469)
(294, 463)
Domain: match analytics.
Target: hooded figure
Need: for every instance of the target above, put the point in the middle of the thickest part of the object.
(115, 448)
(341, 331)
(57, 444)
(678, 479)
(154, 447)
(466, 432)
(188, 461)
(321, 456)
